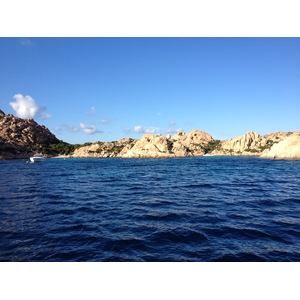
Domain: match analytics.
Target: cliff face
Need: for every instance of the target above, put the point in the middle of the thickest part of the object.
(288, 148)
(252, 143)
(19, 136)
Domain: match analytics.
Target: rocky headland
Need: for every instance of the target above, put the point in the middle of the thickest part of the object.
(21, 138)
(271, 145)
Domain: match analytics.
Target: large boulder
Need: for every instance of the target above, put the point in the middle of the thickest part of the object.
(150, 145)
(250, 140)
(289, 148)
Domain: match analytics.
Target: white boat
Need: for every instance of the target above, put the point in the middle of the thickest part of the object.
(37, 157)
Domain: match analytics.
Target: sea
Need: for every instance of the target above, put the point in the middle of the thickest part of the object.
(192, 209)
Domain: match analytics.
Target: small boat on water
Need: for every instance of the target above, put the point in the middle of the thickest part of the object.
(37, 157)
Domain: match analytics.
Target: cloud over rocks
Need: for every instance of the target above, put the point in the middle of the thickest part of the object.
(26, 107)
(172, 130)
(140, 129)
(89, 129)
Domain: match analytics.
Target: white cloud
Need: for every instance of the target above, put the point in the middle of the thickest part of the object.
(171, 130)
(139, 129)
(92, 111)
(26, 107)
(105, 121)
(89, 129)
(150, 130)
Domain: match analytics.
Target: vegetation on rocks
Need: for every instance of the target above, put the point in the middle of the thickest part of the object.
(61, 148)
(21, 138)
(211, 146)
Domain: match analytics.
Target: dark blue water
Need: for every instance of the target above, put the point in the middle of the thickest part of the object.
(185, 209)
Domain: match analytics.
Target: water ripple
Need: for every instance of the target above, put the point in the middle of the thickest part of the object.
(182, 209)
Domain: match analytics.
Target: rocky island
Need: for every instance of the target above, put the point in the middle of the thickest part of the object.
(20, 138)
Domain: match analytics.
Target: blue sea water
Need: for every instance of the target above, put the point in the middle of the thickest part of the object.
(177, 209)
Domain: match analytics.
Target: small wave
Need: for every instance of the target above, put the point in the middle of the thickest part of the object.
(198, 185)
(240, 257)
(189, 209)
(248, 233)
(178, 236)
(166, 217)
(123, 245)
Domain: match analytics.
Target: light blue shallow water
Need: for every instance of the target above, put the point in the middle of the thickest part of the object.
(185, 209)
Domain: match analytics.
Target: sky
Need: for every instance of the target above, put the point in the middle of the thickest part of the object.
(105, 89)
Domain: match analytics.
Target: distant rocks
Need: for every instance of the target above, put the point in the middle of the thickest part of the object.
(239, 145)
(150, 146)
(159, 146)
(104, 149)
(18, 137)
(252, 144)
(288, 148)
(197, 143)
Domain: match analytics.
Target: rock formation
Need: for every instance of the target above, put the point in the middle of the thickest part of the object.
(251, 143)
(104, 149)
(288, 148)
(18, 137)
(150, 146)
(158, 146)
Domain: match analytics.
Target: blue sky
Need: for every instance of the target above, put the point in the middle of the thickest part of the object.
(104, 89)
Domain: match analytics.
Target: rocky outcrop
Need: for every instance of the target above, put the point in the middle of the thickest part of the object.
(191, 143)
(251, 143)
(150, 146)
(104, 149)
(288, 148)
(159, 146)
(19, 137)
(196, 143)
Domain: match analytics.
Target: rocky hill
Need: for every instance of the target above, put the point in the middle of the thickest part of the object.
(197, 143)
(103, 149)
(288, 148)
(194, 143)
(19, 138)
(252, 144)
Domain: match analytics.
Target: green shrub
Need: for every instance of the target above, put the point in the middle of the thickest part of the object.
(211, 146)
(170, 146)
